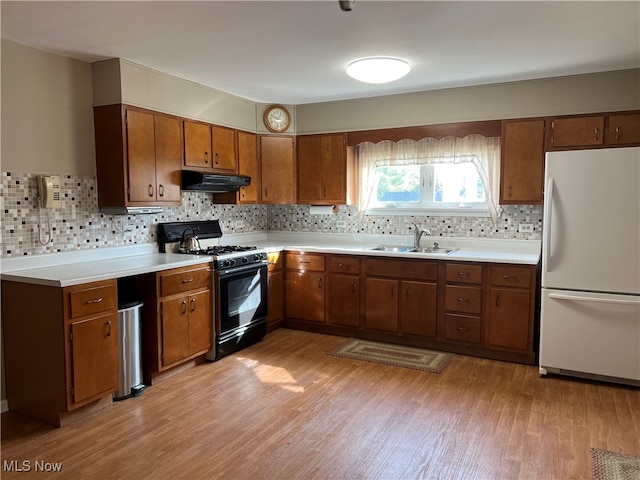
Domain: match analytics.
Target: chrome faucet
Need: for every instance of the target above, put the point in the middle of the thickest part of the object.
(417, 235)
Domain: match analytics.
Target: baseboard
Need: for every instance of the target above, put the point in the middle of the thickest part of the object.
(4, 406)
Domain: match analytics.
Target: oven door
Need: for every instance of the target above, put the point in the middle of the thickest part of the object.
(242, 296)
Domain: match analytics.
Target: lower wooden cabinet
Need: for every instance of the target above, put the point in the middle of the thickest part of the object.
(275, 289)
(305, 287)
(61, 351)
(510, 308)
(178, 324)
(481, 309)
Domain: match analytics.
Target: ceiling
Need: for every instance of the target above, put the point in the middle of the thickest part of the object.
(296, 52)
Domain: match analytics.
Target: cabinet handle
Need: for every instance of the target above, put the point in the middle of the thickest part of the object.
(150, 190)
(187, 280)
(324, 192)
(618, 133)
(342, 265)
(108, 328)
(463, 274)
(266, 192)
(462, 329)
(184, 307)
(95, 300)
(193, 305)
(463, 300)
(319, 282)
(161, 190)
(595, 133)
(498, 300)
(510, 278)
(242, 191)
(304, 262)
(354, 286)
(406, 292)
(510, 190)
(217, 158)
(206, 157)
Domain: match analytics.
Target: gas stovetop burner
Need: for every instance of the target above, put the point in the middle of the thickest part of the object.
(218, 250)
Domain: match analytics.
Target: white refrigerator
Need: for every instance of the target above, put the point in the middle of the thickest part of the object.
(590, 304)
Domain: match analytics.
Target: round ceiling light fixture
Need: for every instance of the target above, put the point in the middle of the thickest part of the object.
(378, 69)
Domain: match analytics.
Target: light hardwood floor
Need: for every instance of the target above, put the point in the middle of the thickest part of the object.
(283, 409)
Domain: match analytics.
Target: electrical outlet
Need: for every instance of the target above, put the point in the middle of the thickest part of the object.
(341, 224)
(239, 223)
(525, 228)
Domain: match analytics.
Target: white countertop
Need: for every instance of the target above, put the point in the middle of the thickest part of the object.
(525, 252)
(73, 268)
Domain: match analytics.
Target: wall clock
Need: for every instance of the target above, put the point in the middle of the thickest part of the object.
(276, 118)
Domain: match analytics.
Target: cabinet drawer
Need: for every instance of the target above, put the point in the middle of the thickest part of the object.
(275, 261)
(463, 299)
(404, 269)
(345, 265)
(462, 328)
(511, 277)
(301, 261)
(464, 273)
(87, 301)
(184, 280)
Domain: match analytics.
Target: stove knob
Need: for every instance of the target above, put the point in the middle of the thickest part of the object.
(245, 259)
(232, 262)
(225, 263)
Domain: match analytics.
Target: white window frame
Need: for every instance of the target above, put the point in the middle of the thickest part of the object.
(426, 206)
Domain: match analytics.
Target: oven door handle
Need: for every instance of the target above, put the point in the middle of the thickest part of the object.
(244, 269)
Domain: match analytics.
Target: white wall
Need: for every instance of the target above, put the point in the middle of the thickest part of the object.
(603, 92)
(47, 116)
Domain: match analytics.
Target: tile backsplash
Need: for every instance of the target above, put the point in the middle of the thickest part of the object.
(80, 225)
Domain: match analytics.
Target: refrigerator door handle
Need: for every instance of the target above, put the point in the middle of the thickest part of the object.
(547, 215)
(579, 298)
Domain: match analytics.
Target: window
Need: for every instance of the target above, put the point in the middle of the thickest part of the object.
(452, 176)
(438, 186)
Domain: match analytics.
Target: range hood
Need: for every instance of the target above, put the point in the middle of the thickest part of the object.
(213, 182)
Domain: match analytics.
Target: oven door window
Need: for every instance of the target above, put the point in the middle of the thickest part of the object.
(243, 297)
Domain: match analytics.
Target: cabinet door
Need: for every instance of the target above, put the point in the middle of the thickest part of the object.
(381, 304)
(175, 330)
(508, 319)
(168, 158)
(305, 296)
(94, 356)
(624, 129)
(344, 300)
(278, 169)
(197, 144)
(418, 303)
(224, 149)
(276, 297)
(248, 165)
(141, 156)
(522, 173)
(322, 169)
(577, 132)
(200, 322)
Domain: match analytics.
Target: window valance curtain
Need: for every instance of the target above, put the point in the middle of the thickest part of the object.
(483, 152)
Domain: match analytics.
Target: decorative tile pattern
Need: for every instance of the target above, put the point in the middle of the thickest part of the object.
(80, 225)
(348, 220)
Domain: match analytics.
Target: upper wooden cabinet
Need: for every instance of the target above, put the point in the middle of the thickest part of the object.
(322, 169)
(278, 169)
(249, 164)
(138, 157)
(225, 157)
(579, 131)
(624, 129)
(522, 168)
(209, 147)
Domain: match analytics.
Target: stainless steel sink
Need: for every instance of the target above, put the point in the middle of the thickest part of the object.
(440, 251)
(393, 248)
(400, 248)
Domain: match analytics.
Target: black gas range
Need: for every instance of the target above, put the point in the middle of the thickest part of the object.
(239, 282)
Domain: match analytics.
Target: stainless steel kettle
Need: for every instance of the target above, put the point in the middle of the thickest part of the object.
(190, 242)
